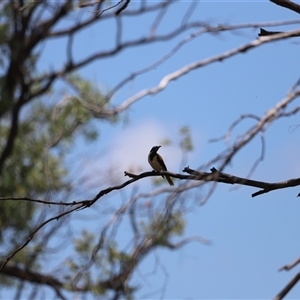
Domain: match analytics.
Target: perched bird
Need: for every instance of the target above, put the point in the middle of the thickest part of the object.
(157, 162)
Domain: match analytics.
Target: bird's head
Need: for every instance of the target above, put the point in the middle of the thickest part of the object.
(154, 149)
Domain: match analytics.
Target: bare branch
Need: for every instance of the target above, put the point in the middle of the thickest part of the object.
(230, 179)
(61, 203)
(95, 17)
(158, 20)
(51, 281)
(100, 12)
(270, 116)
(9, 257)
(290, 266)
(215, 176)
(122, 7)
(190, 10)
(189, 38)
(288, 4)
(119, 32)
(30, 276)
(195, 65)
(288, 287)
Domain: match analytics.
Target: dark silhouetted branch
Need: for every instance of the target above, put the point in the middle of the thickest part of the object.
(122, 7)
(264, 32)
(288, 287)
(227, 178)
(288, 4)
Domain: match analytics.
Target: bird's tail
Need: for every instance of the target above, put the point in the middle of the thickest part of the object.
(169, 180)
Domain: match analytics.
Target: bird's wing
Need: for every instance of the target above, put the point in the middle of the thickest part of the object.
(161, 162)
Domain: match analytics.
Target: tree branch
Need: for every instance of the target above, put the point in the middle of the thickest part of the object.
(95, 17)
(13, 132)
(214, 176)
(288, 287)
(230, 179)
(206, 29)
(288, 4)
(290, 266)
(52, 281)
(217, 176)
(30, 276)
(10, 256)
(122, 7)
(195, 65)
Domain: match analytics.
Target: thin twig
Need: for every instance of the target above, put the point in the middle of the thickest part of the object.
(290, 266)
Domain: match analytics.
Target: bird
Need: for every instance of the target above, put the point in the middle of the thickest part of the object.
(157, 163)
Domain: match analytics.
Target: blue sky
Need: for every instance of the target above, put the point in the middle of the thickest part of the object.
(251, 238)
